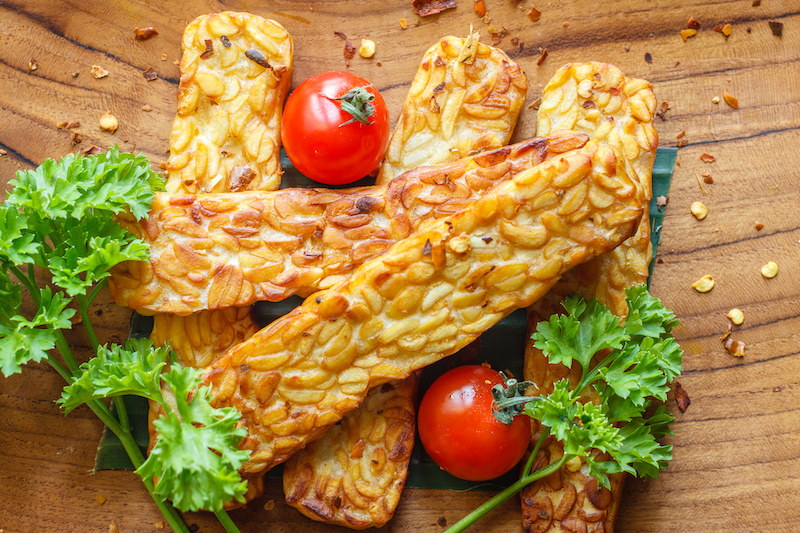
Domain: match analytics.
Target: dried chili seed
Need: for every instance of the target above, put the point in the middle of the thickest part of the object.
(681, 397)
(770, 270)
(699, 210)
(425, 8)
(142, 34)
(648, 57)
(736, 316)
(225, 41)
(534, 14)
(685, 34)
(715, 100)
(209, 51)
(693, 23)
(403, 24)
(99, 72)
(256, 57)
(707, 158)
(109, 122)
(776, 28)
(367, 48)
(150, 74)
(704, 284)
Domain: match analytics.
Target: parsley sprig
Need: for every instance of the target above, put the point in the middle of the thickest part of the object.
(59, 240)
(626, 367)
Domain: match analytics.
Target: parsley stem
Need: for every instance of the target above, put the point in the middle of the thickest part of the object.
(545, 432)
(226, 521)
(59, 368)
(28, 282)
(96, 290)
(501, 497)
(83, 306)
(66, 352)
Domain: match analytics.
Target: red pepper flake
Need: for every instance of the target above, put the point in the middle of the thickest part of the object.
(648, 57)
(32, 65)
(588, 104)
(91, 150)
(340, 35)
(425, 8)
(225, 41)
(756, 3)
(76, 137)
(682, 143)
(534, 14)
(442, 521)
(735, 348)
(707, 158)
(209, 51)
(661, 202)
(542, 56)
(150, 74)
(759, 226)
(147, 108)
(480, 8)
(3, 152)
(349, 52)
(693, 23)
(776, 28)
(99, 72)
(403, 24)
(357, 451)
(566, 24)
(707, 178)
(682, 397)
(142, 34)
(681, 134)
(72, 125)
(724, 29)
(515, 41)
(659, 260)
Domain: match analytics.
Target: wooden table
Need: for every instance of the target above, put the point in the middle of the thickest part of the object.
(737, 457)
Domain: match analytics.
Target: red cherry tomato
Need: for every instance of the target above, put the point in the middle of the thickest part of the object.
(459, 431)
(315, 134)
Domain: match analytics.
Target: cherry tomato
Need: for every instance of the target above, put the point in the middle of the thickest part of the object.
(318, 138)
(459, 431)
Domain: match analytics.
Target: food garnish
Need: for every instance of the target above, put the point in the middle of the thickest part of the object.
(642, 360)
(60, 218)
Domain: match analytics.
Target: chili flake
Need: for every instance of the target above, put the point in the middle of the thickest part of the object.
(534, 14)
(150, 74)
(681, 397)
(776, 28)
(707, 158)
(142, 34)
(425, 8)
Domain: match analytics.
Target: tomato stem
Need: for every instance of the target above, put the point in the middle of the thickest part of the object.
(357, 102)
(501, 497)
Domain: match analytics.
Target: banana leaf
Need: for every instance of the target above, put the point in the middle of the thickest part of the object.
(501, 347)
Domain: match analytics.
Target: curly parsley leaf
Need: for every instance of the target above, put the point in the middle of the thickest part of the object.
(582, 332)
(23, 340)
(642, 360)
(134, 369)
(196, 459)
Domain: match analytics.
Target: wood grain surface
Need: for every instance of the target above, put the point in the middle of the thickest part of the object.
(737, 451)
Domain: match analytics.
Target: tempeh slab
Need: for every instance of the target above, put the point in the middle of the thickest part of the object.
(596, 99)
(221, 250)
(429, 295)
(465, 98)
(235, 73)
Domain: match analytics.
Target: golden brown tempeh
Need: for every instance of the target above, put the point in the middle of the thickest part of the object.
(220, 250)
(323, 481)
(619, 111)
(353, 476)
(235, 73)
(429, 295)
(465, 98)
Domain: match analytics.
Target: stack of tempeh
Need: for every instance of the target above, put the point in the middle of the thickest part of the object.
(409, 270)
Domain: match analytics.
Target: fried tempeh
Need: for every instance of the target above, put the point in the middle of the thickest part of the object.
(353, 476)
(596, 99)
(465, 98)
(235, 73)
(325, 481)
(429, 295)
(221, 250)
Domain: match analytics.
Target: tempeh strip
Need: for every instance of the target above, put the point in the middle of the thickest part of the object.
(221, 250)
(325, 481)
(235, 72)
(465, 98)
(429, 295)
(596, 99)
(353, 476)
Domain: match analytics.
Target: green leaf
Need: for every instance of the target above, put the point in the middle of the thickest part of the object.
(115, 371)
(580, 334)
(23, 340)
(195, 458)
(17, 244)
(647, 316)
